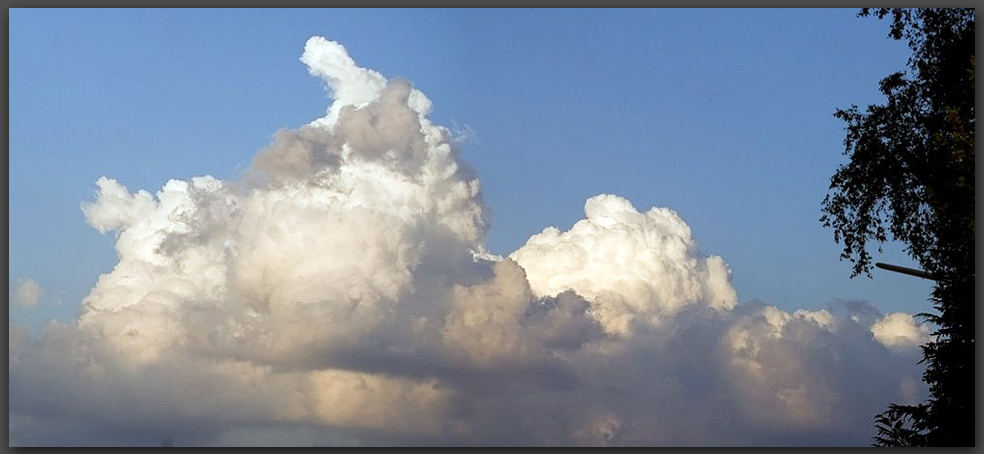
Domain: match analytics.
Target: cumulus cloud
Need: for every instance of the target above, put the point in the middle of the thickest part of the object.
(634, 267)
(27, 293)
(900, 330)
(341, 293)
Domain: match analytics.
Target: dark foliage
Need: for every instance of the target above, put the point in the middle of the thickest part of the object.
(895, 426)
(911, 176)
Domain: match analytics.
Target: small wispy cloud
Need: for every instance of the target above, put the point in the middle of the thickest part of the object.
(27, 292)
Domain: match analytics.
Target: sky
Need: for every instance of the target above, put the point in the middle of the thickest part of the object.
(720, 119)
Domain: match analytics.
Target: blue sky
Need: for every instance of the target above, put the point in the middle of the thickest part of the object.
(722, 115)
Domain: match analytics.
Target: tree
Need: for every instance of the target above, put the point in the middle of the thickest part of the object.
(910, 175)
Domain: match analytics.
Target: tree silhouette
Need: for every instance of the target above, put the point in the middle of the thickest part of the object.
(895, 427)
(911, 176)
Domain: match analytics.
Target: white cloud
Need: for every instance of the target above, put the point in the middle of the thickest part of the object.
(634, 267)
(341, 293)
(900, 330)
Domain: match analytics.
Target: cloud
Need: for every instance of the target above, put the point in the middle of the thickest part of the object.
(28, 292)
(340, 293)
(635, 267)
(900, 330)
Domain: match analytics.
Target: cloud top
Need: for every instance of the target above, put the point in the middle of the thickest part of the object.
(900, 330)
(635, 267)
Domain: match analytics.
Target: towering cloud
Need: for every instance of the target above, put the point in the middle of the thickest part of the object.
(341, 293)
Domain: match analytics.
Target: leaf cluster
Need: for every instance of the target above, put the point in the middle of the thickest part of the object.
(910, 175)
